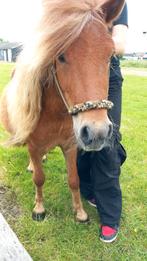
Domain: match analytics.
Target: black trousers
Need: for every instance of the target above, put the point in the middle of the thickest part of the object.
(99, 171)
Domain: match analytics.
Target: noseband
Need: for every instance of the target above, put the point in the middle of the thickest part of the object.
(85, 106)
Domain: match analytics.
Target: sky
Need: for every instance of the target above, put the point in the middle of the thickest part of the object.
(17, 17)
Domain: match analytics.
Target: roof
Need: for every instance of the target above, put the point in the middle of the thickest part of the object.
(7, 45)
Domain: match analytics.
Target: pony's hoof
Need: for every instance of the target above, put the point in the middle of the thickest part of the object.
(29, 170)
(81, 216)
(38, 216)
(44, 158)
(86, 221)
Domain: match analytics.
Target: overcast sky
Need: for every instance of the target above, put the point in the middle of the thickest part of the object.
(18, 16)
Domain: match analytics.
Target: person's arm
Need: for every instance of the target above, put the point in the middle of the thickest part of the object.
(119, 31)
(119, 36)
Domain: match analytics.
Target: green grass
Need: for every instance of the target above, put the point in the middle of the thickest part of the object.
(59, 238)
(5, 74)
(134, 64)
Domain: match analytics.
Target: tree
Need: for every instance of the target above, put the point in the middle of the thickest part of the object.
(1, 40)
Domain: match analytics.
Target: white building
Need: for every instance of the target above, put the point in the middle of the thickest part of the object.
(9, 51)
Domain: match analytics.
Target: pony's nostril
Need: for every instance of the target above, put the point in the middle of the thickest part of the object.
(92, 136)
(85, 135)
(110, 130)
(85, 132)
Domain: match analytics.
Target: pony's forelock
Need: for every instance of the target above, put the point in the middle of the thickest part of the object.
(61, 23)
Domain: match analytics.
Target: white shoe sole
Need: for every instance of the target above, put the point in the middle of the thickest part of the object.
(109, 240)
(91, 204)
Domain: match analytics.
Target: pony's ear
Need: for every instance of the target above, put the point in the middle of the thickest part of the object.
(111, 9)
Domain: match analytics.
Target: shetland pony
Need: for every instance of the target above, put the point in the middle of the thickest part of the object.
(58, 93)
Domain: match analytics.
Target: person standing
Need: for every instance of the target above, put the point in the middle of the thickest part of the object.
(99, 171)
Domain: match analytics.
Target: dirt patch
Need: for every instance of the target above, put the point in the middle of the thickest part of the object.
(8, 201)
(8, 206)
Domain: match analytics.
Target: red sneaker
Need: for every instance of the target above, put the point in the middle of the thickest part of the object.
(108, 234)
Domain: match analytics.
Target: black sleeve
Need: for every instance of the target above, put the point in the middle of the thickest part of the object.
(123, 18)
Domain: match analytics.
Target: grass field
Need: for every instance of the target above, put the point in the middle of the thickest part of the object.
(134, 64)
(59, 238)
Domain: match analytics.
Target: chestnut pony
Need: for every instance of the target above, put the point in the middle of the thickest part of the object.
(58, 93)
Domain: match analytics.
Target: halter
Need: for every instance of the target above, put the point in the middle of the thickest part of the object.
(85, 106)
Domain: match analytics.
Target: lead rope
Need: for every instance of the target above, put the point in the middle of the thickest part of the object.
(59, 89)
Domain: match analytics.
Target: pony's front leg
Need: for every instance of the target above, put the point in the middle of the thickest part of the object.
(73, 181)
(30, 166)
(38, 178)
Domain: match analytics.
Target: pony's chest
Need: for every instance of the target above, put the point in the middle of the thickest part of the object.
(55, 125)
(53, 130)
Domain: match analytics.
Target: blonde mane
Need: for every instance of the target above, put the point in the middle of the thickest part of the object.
(61, 23)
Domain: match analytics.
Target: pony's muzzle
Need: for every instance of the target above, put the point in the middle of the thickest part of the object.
(95, 137)
(88, 135)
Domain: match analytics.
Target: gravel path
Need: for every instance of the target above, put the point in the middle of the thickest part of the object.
(134, 71)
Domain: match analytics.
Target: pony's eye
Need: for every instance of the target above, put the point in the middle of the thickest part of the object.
(61, 58)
